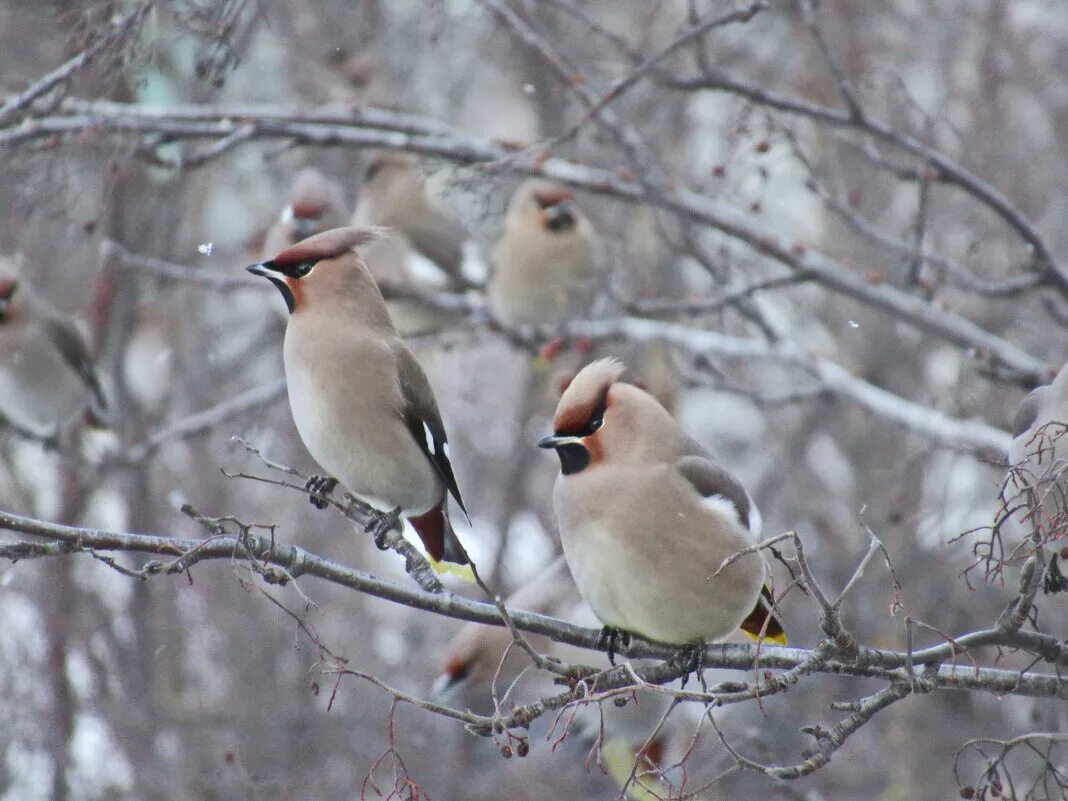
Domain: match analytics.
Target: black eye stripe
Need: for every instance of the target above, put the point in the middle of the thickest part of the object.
(595, 422)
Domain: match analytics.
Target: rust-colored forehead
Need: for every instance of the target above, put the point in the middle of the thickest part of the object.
(8, 287)
(585, 394)
(312, 193)
(326, 245)
(552, 196)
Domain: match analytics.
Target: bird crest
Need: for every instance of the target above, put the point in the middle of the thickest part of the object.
(326, 245)
(586, 394)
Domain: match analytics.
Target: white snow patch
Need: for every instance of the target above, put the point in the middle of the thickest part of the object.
(98, 766)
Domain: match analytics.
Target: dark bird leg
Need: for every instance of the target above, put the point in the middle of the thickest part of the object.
(319, 489)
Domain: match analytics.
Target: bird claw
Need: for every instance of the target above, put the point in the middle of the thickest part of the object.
(609, 639)
(691, 657)
(380, 524)
(1054, 581)
(319, 488)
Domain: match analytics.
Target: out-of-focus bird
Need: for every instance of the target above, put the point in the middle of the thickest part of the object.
(46, 370)
(362, 404)
(394, 194)
(148, 362)
(316, 204)
(477, 654)
(647, 518)
(545, 261)
(480, 655)
(1038, 457)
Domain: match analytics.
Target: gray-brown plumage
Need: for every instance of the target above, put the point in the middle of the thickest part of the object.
(394, 195)
(544, 263)
(360, 400)
(46, 369)
(479, 654)
(1038, 455)
(647, 517)
(316, 204)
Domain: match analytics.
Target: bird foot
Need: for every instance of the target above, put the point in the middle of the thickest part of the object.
(319, 488)
(691, 658)
(380, 524)
(1054, 581)
(609, 639)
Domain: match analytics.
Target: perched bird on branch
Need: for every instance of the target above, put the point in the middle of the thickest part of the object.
(545, 261)
(1038, 461)
(316, 204)
(647, 519)
(46, 370)
(394, 194)
(361, 402)
(425, 245)
(480, 654)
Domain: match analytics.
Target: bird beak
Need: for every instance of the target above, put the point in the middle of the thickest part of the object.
(558, 441)
(266, 270)
(560, 217)
(262, 270)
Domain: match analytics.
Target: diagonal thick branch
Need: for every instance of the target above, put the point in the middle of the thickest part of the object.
(297, 562)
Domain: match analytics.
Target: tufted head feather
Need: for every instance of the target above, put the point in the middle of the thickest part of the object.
(326, 245)
(586, 394)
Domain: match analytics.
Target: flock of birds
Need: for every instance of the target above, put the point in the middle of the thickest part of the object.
(657, 536)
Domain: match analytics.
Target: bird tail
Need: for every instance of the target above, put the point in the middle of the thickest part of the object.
(754, 624)
(440, 541)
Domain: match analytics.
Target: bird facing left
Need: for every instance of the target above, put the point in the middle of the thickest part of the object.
(361, 402)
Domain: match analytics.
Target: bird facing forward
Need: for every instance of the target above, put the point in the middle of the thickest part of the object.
(316, 204)
(647, 518)
(362, 404)
(544, 263)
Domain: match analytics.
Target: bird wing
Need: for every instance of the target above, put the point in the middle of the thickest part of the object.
(711, 481)
(423, 419)
(440, 239)
(72, 349)
(1027, 411)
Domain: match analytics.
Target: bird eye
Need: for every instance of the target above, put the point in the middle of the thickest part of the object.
(597, 423)
(303, 268)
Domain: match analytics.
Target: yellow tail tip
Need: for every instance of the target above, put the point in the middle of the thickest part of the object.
(774, 639)
(452, 569)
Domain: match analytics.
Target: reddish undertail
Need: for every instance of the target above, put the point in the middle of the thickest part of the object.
(438, 538)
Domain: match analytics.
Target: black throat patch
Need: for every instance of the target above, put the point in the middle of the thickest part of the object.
(574, 458)
(287, 293)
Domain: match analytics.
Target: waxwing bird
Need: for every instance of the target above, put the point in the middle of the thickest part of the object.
(362, 404)
(1038, 457)
(316, 204)
(478, 654)
(46, 370)
(647, 518)
(544, 263)
(394, 194)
